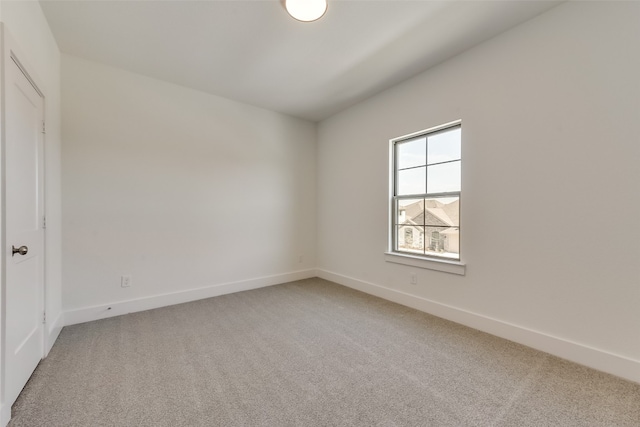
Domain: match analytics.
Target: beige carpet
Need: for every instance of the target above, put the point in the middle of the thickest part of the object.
(309, 353)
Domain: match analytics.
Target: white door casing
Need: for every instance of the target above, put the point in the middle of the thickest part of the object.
(24, 213)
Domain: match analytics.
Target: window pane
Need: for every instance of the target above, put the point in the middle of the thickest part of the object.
(410, 211)
(444, 146)
(412, 181)
(443, 242)
(410, 239)
(442, 211)
(412, 153)
(443, 178)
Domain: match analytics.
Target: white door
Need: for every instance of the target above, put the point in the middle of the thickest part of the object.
(24, 229)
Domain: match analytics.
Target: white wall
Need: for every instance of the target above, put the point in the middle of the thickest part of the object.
(180, 189)
(550, 201)
(26, 23)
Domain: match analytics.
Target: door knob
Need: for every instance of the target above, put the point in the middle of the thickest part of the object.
(22, 250)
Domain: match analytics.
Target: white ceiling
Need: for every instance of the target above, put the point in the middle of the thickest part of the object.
(253, 52)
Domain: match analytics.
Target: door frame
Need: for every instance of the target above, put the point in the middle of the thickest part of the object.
(10, 52)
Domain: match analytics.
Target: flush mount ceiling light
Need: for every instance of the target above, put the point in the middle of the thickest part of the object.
(306, 10)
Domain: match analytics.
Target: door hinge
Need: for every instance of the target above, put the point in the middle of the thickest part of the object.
(43, 127)
(44, 222)
(44, 318)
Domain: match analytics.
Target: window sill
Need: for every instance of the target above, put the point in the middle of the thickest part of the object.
(454, 267)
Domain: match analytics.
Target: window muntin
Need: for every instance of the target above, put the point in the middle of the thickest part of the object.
(444, 146)
(412, 153)
(426, 193)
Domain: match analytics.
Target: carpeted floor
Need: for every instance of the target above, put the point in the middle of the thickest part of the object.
(309, 353)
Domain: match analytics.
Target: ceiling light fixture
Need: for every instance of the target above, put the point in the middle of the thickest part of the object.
(306, 10)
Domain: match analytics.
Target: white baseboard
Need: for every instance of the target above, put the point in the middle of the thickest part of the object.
(5, 414)
(118, 308)
(52, 333)
(579, 353)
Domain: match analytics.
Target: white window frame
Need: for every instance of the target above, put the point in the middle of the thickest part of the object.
(428, 261)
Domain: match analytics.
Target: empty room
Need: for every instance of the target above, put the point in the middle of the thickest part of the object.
(319, 213)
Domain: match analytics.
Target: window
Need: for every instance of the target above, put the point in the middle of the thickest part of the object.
(426, 193)
(408, 236)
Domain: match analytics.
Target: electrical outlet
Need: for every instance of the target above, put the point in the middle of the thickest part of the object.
(413, 278)
(125, 280)
(300, 259)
